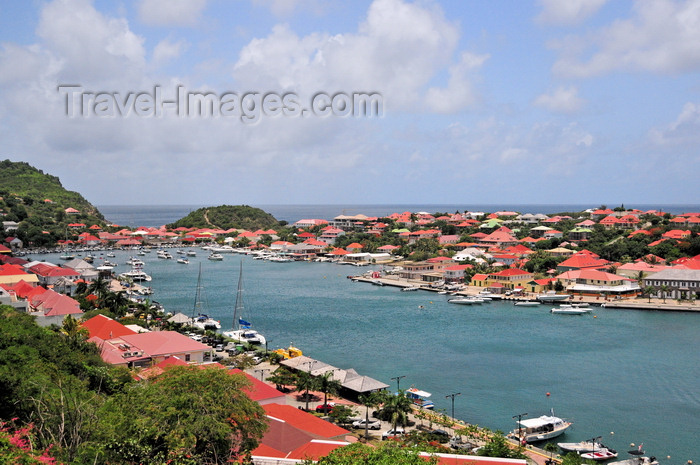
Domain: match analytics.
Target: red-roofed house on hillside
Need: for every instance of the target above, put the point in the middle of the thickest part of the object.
(500, 237)
(71, 211)
(676, 234)
(105, 328)
(50, 307)
(295, 434)
(582, 261)
(12, 274)
(455, 273)
(261, 392)
(49, 275)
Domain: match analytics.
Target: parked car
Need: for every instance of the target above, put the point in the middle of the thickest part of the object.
(371, 424)
(393, 433)
(325, 408)
(441, 435)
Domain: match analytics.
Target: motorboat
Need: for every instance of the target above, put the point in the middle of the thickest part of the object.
(377, 282)
(136, 274)
(468, 300)
(581, 447)
(410, 288)
(420, 398)
(638, 459)
(569, 310)
(463, 301)
(600, 454)
(215, 256)
(183, 260)
(528, 303)
(552, 296)
(191, 253)
(540, 428)
(164, 254)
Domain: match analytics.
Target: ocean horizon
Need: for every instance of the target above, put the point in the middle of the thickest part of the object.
(158, 215)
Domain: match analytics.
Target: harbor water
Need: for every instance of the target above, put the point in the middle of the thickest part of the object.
(628, 376)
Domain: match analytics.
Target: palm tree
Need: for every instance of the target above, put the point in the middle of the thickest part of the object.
(327, 385)
(649, 290)
(664, 289)
(305, 382)
(371, 399)
(73, 331)
(398, 407)
(640, 278)
(99, 286)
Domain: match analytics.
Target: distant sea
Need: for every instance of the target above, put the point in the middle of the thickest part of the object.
(158, 215)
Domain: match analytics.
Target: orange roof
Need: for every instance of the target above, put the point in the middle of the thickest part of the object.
(258, 390)
(105, 328)
(305, 421)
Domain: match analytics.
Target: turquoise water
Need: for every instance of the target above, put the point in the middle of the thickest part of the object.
(632, 373)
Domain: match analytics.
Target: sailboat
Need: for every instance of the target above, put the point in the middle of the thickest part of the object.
(244, 333)
(199, 319)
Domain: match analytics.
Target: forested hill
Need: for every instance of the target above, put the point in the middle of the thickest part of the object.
(38, 202)
(227, 217)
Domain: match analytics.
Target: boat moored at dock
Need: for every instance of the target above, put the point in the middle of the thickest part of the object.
(540, 428)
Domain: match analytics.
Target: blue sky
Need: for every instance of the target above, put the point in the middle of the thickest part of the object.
(583, 101)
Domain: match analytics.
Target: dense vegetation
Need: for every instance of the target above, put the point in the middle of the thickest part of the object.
(89, 412)
(228, 217)
(37, 201)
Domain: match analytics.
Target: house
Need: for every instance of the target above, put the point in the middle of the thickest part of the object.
(261, 392)
(295, 434)
(49, 275)
(596, 282)
(308, 223)
(510, 278)
(121, 346)
(681, 283)
(329, 235)
(501, 237)
(455, 273)
(580, 261)
(12, 274)
(50, 307)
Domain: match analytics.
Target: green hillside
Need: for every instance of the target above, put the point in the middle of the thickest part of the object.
(37, 201)
(227, 217)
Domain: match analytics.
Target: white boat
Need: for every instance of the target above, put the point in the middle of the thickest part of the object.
(540, 428)
(528, 303)
(552, 296)
(111, 255)
(191, 253)
(136, 274)
(462, 301)
(200, 319)
(569, 310)
(377, 282)
(638, 459)
(244, 331)
(67, 257)
(600, 454)
(410, 288)
(223, 249)
(215, 256)
(580, 447)
(420, 398)
(183, 260)
(164, 254)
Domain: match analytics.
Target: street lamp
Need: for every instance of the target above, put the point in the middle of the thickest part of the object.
(261, 371)
(520, 428)
(453, 407)
(398, 380)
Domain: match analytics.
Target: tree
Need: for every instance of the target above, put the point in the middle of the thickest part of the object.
(396, 408)
(664, 290)
(305, 382)
(341, 414)
(649, 290)
(327, 385)
(371, 399)
(185, 412)
(498, 446)
(362, 454)
(282, 377)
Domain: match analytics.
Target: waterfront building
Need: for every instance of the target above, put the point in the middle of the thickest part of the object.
(681, 283)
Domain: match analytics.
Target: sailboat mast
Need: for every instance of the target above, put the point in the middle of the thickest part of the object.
(238, 307)
(197, 296)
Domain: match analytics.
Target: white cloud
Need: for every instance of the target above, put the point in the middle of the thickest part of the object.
(459, 93)
(281, 7)
(662, 36)
(397, 50)
(561, 100)
(90, 45)
(684, 131)
(568, 11)
(167, 50)
(171, 12)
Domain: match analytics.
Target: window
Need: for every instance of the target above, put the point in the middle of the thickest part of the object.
(187, 357)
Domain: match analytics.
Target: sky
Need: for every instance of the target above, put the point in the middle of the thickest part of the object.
(209, 102)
